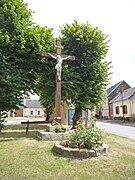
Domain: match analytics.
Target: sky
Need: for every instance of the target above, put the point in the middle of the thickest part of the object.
(115, 18)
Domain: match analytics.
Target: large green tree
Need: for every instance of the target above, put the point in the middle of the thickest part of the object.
(85, 79)
(20, 42)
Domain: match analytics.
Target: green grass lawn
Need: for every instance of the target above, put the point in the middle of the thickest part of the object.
(23, 157)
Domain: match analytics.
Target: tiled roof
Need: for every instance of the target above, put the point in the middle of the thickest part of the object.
(128, 93)
(133, 96)
(32, 103)
(112, 88)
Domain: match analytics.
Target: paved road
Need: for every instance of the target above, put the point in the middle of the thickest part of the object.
(126, 131)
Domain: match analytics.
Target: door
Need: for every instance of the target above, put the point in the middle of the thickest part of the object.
(70, 116)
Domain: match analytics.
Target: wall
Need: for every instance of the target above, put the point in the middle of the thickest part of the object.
(105, 109)
(18, 113)
(119, 104)
(132, 107)
(27, 112)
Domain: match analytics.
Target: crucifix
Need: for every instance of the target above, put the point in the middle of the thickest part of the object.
(59, 59)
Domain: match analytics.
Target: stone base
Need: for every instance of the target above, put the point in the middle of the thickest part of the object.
(80, 153)
(50, 128)
(52, 136)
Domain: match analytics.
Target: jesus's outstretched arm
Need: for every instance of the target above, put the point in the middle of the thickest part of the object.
(69, 57)
(51, 55)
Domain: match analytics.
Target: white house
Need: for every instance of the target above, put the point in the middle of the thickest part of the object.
(30, 108)
(124, 104)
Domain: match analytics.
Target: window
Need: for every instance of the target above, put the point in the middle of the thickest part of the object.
(31, 112)
(38, 112)
(117, 110)
(124, 109)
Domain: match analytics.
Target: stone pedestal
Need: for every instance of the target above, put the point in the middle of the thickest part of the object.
(52, 136)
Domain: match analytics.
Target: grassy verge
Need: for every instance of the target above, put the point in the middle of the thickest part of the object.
(24, 157)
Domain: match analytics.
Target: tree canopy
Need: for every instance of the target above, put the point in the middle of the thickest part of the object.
(85, 78)
(20, 42)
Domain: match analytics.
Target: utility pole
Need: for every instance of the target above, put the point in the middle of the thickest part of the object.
(121, 90)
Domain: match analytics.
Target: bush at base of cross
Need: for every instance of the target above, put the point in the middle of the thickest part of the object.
(83, 136)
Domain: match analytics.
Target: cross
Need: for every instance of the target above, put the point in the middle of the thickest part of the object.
(59, 59)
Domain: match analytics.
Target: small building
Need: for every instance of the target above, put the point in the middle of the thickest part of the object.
(30, 108)
(124, 104)
(113, 92)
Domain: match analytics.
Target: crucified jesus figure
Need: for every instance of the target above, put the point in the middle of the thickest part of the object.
(59, 58)
(58, 66)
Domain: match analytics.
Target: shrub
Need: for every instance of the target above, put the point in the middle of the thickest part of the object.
(86, 136)
(121, 118)
(105, 117)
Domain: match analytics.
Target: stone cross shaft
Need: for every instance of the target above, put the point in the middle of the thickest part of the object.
(59, 59)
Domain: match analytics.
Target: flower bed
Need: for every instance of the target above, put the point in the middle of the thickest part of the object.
(83, 142)
(80, 153)
(86, 136)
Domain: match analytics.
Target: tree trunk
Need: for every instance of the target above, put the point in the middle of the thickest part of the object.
(77, 115)
(47, 114)
(47, 117)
